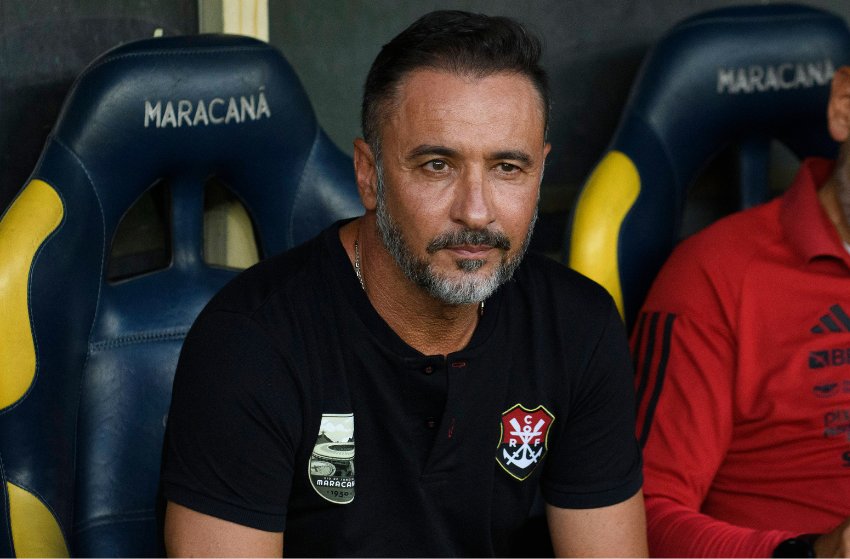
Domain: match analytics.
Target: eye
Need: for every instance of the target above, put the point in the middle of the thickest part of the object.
(507, 168)
(436, 165)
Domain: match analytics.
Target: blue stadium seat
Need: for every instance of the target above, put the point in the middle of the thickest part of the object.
(89, 345)
(743, 75)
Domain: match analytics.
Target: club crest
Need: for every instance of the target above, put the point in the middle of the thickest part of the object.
(331, 466)
(524, 439)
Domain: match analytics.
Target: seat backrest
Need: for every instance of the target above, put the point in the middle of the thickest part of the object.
(87, 360)
(743, 74)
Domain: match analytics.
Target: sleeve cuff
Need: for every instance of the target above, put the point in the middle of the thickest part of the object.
(223, 510)
(565, 499)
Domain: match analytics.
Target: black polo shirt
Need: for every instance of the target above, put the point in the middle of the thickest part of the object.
(297, 408)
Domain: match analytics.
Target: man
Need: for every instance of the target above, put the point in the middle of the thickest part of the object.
(744, 397)
(406, 383)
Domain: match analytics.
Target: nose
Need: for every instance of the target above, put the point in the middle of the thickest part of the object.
(473, 204)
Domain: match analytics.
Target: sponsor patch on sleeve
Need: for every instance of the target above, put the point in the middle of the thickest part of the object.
(331, 466)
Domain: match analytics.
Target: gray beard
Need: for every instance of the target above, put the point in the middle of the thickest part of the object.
(469, 288)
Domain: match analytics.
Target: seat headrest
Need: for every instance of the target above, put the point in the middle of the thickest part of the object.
(194, 106)
(736, 72)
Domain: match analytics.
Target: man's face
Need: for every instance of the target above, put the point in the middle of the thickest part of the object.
(462, 160)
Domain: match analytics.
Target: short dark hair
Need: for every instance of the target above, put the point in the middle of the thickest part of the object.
(454, 41)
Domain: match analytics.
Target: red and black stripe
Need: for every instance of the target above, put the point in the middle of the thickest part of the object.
(651, 362)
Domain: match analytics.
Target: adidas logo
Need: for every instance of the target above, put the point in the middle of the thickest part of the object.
(834, 321)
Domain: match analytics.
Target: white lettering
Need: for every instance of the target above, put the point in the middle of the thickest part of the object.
(783, 82)
(725, 78)
(218, 110)
(168, 116)
(213, 118)
(827, 72)
(741, 81)
(788, 75)
(263, 106)
(771, 80)
(184, 109)
(232, 112)
(200, 114)
(756, 75)
(815, 71)
(153, 113)
(247, 106)
(335, 483)
(801, 77)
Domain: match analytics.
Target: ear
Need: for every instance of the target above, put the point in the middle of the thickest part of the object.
(838, 111)
(366, 173)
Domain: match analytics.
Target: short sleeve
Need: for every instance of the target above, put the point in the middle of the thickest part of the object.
(596, 460)
(234, 424)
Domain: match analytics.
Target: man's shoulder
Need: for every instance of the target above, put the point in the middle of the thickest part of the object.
(554, 283)
(737, 234)
(710, 266)
(540, 268)
(295, 273)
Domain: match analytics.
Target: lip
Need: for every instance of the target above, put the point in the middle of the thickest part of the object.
(471, 251)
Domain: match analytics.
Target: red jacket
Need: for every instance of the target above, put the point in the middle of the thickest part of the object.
(743, 377)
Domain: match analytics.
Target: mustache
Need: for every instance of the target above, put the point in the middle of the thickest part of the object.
(484, 237)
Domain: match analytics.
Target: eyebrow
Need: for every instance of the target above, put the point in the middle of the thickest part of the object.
(428, 149)
(513, 155)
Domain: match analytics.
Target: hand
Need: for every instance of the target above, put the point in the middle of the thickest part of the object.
(835, 543)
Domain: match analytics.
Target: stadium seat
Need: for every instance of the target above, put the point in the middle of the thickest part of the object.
(741, 76)
(188, 133)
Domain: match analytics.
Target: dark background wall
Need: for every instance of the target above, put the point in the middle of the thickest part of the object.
(593, 50)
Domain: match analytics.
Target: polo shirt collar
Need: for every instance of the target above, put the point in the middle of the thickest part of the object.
(805, 224)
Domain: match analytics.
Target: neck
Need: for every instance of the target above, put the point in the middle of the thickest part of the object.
(427, 324)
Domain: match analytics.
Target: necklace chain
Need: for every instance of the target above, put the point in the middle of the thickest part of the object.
(359, 273)
(357, 264)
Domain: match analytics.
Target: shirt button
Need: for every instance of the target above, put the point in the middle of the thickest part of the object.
(431, 423)
(429, 369)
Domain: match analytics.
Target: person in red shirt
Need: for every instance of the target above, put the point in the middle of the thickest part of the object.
(743, 374)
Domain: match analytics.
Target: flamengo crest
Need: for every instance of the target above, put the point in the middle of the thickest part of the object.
(524, 438)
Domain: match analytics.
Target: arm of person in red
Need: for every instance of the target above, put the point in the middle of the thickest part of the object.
(684, 350)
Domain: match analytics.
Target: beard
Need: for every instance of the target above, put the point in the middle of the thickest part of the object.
(470, 287)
